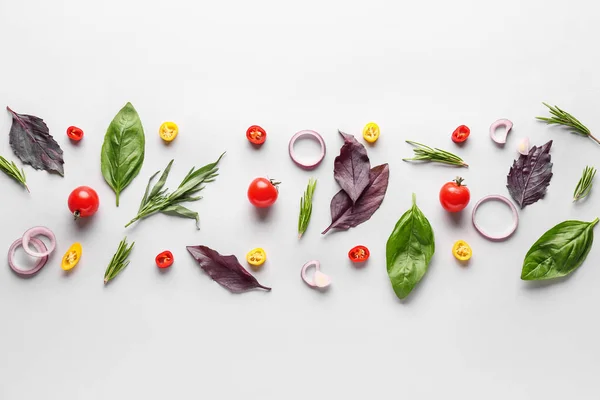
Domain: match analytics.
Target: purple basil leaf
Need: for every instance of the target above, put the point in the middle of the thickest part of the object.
(225, 270)
(351, 167)
(33, 144)
(344, 215)
(530, 175)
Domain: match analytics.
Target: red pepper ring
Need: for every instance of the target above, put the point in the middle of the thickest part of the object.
(74, 133)
(359, 254)
(461, 134)
(256, 135)
(164, 259)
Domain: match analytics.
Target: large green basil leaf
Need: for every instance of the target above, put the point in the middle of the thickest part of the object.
(123, 149)
(559, 251)
(409, 250)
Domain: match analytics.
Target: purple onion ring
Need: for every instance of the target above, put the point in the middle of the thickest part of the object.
(501, 122)
(515, 214)
(35, 231)
(39, 245)
(319, 280)
(313, 135)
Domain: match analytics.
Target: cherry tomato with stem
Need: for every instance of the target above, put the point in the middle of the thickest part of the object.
(256, 135)
(263, 192)
(83, 202)
(359, 254)
(454, 196)
(461, 134)
(74, 133)
(164, 259)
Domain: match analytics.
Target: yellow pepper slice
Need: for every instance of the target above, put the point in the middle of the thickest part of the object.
(256, 257)
(71, 257)
(371, 132)
(168, 131)
(462, 251)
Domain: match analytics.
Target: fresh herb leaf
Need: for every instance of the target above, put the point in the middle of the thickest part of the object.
(559, 251)
(409, 250)
(158, 200)
(119, 260)
(123, 149)
(306, 207)
(585, 183)
(563, 118)
(426, 153)
(530, 175)
(32, 143)
(225, 270)
(11, 169)
(345, 215)
(351, 167)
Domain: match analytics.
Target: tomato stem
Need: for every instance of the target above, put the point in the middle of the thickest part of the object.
(459, 181)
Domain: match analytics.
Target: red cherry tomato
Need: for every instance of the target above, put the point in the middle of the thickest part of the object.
(263, 192)
(454, 196)
(164, 259)
(83, 202)
(256, 135)
(461, 134)
(74, 133)
(359, 254)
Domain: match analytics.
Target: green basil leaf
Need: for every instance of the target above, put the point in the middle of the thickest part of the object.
(409, 250)
(123, 149)
(559, 251)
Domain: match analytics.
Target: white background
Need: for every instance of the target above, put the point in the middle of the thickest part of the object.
(418, 69)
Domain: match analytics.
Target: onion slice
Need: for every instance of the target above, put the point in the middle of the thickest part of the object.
(319, 279)
(39, 245)
(35, 231)
(524, 146)
(515, 218)
(311, 134)
(501, 122)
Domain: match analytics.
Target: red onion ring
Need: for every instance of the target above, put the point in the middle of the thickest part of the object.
(319, 280)
(35, 231)
(503, 199)
(501, 122)
(39, 245)
(313, 135)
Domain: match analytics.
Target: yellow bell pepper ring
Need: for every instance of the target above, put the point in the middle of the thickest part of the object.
(256, 257)
(168, 131)
(371, 132)
(71, 257)
(462, 251)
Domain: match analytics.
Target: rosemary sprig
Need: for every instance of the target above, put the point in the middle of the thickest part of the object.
(585, 183)
(11, 169)
(119, 260)
(426, 153)
(158, 200)
(306, 207)
(561, 117)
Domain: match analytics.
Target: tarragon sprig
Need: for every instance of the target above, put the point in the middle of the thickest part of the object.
(306, 207)
(11, 169)
(563, 118)
(585, 183)
(158, 200)
(119, 260)
(426, 153)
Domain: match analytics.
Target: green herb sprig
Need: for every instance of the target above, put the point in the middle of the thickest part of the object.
(119, 260)
(306, 207)
(585, 183)
(11, 169)
(158, 200)
(426, 153)
(563, 118)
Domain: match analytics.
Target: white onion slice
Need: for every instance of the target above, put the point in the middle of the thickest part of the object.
(39, 245)
(35, 231)
(524, 146)
(501, 122)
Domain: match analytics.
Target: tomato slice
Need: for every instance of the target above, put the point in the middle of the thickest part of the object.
(74, 133)
(359, 254)
(461, 134)
(256, 135)
(164, 259)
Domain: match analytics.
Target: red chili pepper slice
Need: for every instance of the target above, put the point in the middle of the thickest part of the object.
(256, 135)
(461, 134)
(359, 254)
(164, 259)
(74, 133)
